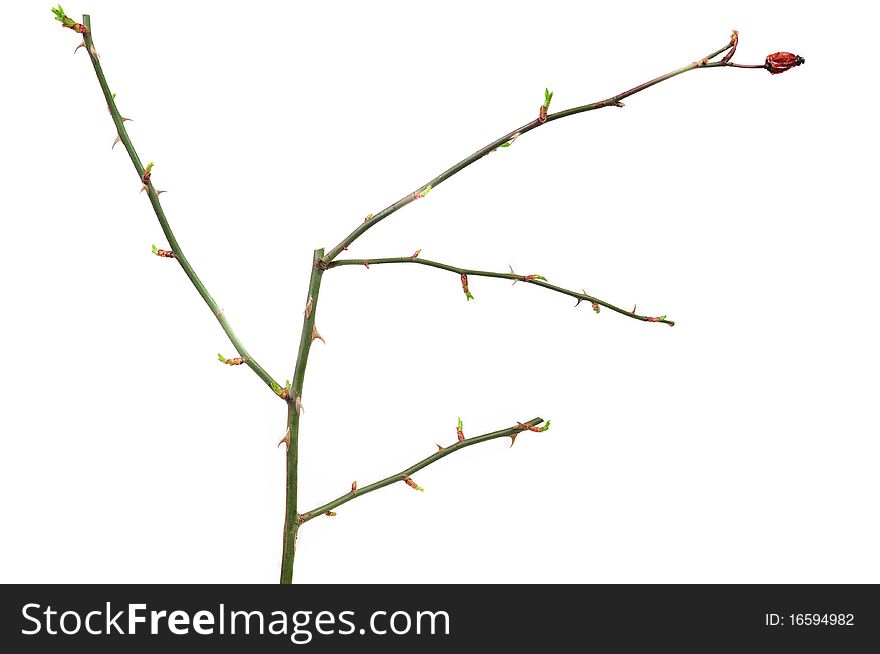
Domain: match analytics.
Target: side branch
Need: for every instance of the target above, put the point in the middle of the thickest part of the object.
(144, 174)
(614, 101)
(403, 475)
(526, 279)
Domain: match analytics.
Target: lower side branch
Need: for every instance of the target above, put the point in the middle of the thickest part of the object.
(403, 475)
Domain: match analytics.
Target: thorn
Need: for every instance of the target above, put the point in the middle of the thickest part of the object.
(93, 52)
(634, 308)
(513, 438)
(440, 448)
(315, 335)
(580, 299)
(115, 141)
(354, 487)
(144, 188)
(308, 312)
(286, 439)
(298, 404)
(512, 273)
(159, 191)
(123, 118)
(81, 45)
(367, 265)
(510, 142)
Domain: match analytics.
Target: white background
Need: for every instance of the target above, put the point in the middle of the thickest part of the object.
(739, 446)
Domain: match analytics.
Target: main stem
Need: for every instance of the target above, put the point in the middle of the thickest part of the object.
(294, 410)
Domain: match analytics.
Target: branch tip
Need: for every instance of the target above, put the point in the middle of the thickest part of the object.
(69, 23)
(734, 41)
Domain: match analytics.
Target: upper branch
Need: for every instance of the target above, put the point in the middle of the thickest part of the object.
(404, 475)
(176, 251)
(527, 279)
(543, 117)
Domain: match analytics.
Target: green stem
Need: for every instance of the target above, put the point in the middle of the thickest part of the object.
(163, 220)
(484, 273)
(460, 445)
(292, 519)
(482, 152)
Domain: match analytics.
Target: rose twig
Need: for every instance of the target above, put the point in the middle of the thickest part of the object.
(581, 297)
(403, 475)
(144, 174)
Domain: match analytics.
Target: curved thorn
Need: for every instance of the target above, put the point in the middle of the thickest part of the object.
(286, 439)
